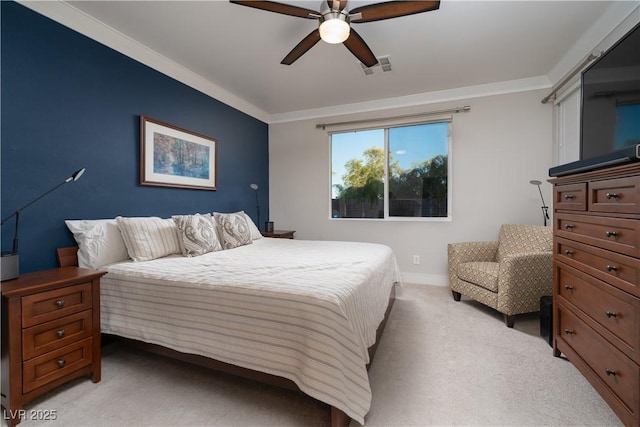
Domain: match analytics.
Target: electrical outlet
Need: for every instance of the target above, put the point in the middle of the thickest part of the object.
(416, 259)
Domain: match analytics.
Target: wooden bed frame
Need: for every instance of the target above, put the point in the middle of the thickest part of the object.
(69, 257)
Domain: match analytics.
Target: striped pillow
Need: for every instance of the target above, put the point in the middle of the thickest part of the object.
(148, 238)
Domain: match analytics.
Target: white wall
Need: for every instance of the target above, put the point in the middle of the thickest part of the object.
(621, 18)
(498, 147)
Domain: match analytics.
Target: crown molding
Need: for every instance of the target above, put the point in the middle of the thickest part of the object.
(462, 93)
(620, 17)
(73, 18)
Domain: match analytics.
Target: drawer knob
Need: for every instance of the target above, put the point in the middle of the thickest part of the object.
(611, 314)
(60, 303)
(568, 196)
(568, 287)
(568, 226)
(568, 331)
(610, 233)
(612, 268)
(610, 372)
(61, 333)
(61, 363)
(612, 195)
(568, 252)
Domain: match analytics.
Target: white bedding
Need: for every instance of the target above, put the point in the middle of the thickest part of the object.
(303, 310)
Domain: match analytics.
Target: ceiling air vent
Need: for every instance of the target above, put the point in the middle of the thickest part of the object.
(383, 65)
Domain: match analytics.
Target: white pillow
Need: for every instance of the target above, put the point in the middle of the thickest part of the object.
(148, 238)
(197, 234)
(99, 242)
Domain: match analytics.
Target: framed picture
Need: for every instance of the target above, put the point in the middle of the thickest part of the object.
(174, 157)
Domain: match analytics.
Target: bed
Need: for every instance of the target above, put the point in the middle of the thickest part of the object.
(301, 314)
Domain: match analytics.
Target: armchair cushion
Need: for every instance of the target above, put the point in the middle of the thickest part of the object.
(523, 238)
(484, 274)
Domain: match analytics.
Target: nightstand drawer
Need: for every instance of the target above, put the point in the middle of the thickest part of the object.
(52, 335)
(617, 371)
(56, 364)
(51, 305)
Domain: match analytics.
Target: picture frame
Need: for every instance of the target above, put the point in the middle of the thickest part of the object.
(171, 156)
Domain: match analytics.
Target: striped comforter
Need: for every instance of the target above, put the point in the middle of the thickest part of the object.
(303, 310)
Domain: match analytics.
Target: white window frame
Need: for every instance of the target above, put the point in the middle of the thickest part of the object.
(386, 124)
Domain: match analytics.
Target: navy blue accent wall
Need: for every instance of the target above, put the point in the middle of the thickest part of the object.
(69, 102)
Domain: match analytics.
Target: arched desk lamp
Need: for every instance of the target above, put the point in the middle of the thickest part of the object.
(545, 208)
(10, 260)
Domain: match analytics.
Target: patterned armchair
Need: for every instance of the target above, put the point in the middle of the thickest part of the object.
(509, 275)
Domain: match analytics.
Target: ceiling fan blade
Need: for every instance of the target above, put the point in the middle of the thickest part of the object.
(391, 9)
(341, 4)
(360, 50)
(302, 47)
(282, 8)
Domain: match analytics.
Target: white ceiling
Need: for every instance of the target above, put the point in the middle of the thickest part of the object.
(464, 43)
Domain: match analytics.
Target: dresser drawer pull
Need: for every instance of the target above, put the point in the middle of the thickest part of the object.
(61, 333)
(60, 303)
(568, 287)
(610, 233)
(612, 195)
(568, 331)
(568, 196)
(611, 314)
(610, 372)
(568, 226)
(568, 252)
(612, 268)
(61, 363)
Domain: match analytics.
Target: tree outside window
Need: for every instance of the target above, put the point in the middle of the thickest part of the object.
(391, 172)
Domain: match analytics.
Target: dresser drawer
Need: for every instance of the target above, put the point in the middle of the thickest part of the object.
(56, 364)
(620, 195)
(617, 371)
(617, 312)
(54, 304)
(619, 270)
(570, 197)
(51, 335)
(615, 234)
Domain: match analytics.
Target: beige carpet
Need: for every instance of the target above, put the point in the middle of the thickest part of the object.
(439, 363)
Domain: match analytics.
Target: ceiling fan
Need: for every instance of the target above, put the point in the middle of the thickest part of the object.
(335, 23)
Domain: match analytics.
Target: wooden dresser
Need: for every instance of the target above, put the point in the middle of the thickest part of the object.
(596, 296)
(50, 335)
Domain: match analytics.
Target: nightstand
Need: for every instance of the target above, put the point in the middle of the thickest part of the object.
(279, 234)
(50, 334)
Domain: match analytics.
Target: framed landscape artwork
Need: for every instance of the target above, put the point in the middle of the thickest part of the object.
(174, 157)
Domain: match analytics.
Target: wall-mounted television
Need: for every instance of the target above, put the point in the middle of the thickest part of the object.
(610, 113)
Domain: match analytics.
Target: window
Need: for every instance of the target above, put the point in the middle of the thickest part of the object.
(393, 172)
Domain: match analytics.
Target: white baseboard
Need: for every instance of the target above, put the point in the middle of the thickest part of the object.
(425, 279)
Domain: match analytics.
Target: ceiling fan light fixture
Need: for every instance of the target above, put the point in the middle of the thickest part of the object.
(334, 28)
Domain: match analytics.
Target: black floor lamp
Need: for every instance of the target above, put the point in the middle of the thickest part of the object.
(545, 208)
(254, 187)
(10, 260)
